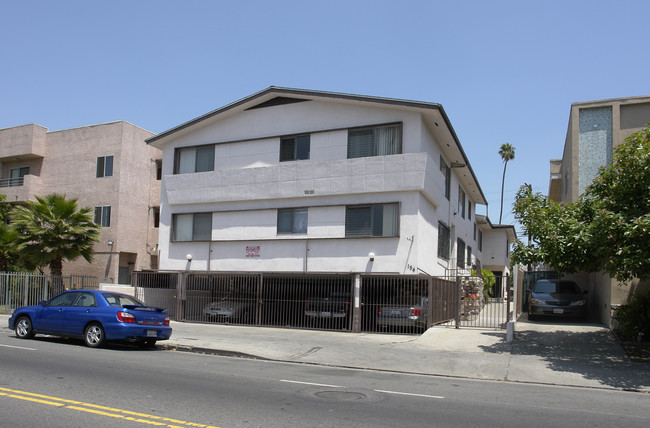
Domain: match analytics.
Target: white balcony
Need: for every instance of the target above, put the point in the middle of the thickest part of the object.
(300, 179)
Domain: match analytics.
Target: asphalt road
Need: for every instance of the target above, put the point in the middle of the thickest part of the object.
(56, 382)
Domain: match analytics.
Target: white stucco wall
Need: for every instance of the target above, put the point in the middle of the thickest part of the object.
(249, 184)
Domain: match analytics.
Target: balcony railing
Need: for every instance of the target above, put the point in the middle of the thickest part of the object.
(12, 182)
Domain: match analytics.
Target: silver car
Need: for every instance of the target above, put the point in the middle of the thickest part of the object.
(237, 311)
(404, 311)
(557, 297)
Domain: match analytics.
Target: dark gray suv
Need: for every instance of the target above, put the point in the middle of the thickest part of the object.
(557, 297)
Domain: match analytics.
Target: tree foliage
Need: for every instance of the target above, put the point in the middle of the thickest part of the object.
(53, 229)
(607, 229)
(8, 248)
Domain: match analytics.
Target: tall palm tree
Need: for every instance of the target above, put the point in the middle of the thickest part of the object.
(53, 229)
(507, 153)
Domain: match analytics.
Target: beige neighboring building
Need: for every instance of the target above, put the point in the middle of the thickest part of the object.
(595, 129)
(107, 167)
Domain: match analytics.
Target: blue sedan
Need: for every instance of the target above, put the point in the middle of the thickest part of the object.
(95, 316)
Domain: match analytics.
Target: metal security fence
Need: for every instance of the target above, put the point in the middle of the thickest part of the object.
(324, 301)
(398, 304)
(481, 302)
(22, 289)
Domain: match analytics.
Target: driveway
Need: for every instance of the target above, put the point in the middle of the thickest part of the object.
(577, 352)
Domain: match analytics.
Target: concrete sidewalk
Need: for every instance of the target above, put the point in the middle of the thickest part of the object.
(581, 355)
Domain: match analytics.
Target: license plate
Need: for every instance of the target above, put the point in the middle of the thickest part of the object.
(325, 314)
(152, 333)
(558, 311)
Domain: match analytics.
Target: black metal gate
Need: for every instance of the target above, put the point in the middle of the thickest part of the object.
(481, 302)
(326, 301)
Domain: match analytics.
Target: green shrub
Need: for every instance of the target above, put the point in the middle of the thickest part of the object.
(488, 281)
(634, 316)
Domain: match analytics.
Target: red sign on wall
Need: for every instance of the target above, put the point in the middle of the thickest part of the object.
(252, 251)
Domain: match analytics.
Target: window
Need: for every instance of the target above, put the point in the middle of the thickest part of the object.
(469, 256)
(16, 176)
(443, 241)
(376, 141)
(480, 240)
(85, 300)
(192, 227)
(460, 253)
(292, 220)
(469, 210)
(158, 169)
(446, 172)
(156, 217)
(294, 148)
(105, 166)
(194, 159)
(461, 202)
(65, 299)
(103, 216)
(372, 220)
(475, 227)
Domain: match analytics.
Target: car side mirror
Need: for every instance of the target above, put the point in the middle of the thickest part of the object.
(43, 302)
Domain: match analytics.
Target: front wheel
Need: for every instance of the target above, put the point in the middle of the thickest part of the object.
(94, 335)
(24, 328)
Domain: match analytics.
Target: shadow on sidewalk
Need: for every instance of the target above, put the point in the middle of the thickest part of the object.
(594, 355)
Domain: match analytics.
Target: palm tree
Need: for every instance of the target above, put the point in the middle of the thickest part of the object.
(507, 153)
(53, 229)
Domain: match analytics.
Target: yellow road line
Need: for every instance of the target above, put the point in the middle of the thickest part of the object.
(36, 400)
(99, 410)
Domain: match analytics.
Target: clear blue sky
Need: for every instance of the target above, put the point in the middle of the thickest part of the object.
(504, 71)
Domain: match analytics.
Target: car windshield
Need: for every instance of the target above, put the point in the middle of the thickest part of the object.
(560, 287)
(115, 299)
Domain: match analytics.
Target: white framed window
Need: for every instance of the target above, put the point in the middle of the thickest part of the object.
(194, 159)
(446, 172)
(375, 141)
(469, 256)
(192, 227)
(103, 216)
(104, 166)
(372, 220)
(460, 253)
(294, 148)
(444, 236)
(461, 202)
(292, 220)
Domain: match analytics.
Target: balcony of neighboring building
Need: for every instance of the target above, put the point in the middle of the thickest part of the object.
(306, 178)
(20, 189)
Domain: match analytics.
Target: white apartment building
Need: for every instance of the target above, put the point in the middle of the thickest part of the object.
(290, 180)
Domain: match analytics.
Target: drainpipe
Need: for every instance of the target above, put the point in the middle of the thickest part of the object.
(209, 253)
(356, 309)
